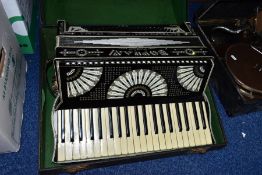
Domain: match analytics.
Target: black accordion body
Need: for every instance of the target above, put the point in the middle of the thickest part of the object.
(129, 90)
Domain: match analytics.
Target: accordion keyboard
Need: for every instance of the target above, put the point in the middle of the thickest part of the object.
(110, 132)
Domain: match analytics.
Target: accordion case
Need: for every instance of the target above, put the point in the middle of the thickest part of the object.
(94, 122)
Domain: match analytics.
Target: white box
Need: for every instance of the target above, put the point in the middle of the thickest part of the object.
(12, 87)
(19, 13)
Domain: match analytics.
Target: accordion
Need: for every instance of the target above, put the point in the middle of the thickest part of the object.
(126, 91)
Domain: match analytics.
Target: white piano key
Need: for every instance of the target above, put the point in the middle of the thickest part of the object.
(184, 131)
(89, 142)
(130, 139)
(167, 109)
(136, 139)
(76, 145)
(151, 122)
(117, 142)
(169, 144)
(97, 143)
(201, 130)
(142, 131)
(179, 135)
(104, 151)
(123, 129)
(110, 141)
(161, 137)
(61, 145)
(207, 130)
(192, 124)
(149, 139)
(68, 143)
(83, 151)
(189, 132)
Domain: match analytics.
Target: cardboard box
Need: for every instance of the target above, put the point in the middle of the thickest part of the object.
(12, 87)
(22, 15)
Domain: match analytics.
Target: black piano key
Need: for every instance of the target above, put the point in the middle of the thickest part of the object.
(111, 131)
(162, 118)
(63, 126)
(80, 125)
(178, 118)
(71, 125)
(154, 119)
(127, 122)
(91, 121)
(100, 130)
(169, 118)
(186, 116)
(195, 115)
(202, 115)
(137, 121)
(145, 120)
(119, 122)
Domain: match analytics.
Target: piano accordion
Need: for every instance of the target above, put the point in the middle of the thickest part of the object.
(112, 106)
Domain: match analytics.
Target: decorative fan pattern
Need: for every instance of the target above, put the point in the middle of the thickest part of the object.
(190, 77)
(80, 81)
(140, 82)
